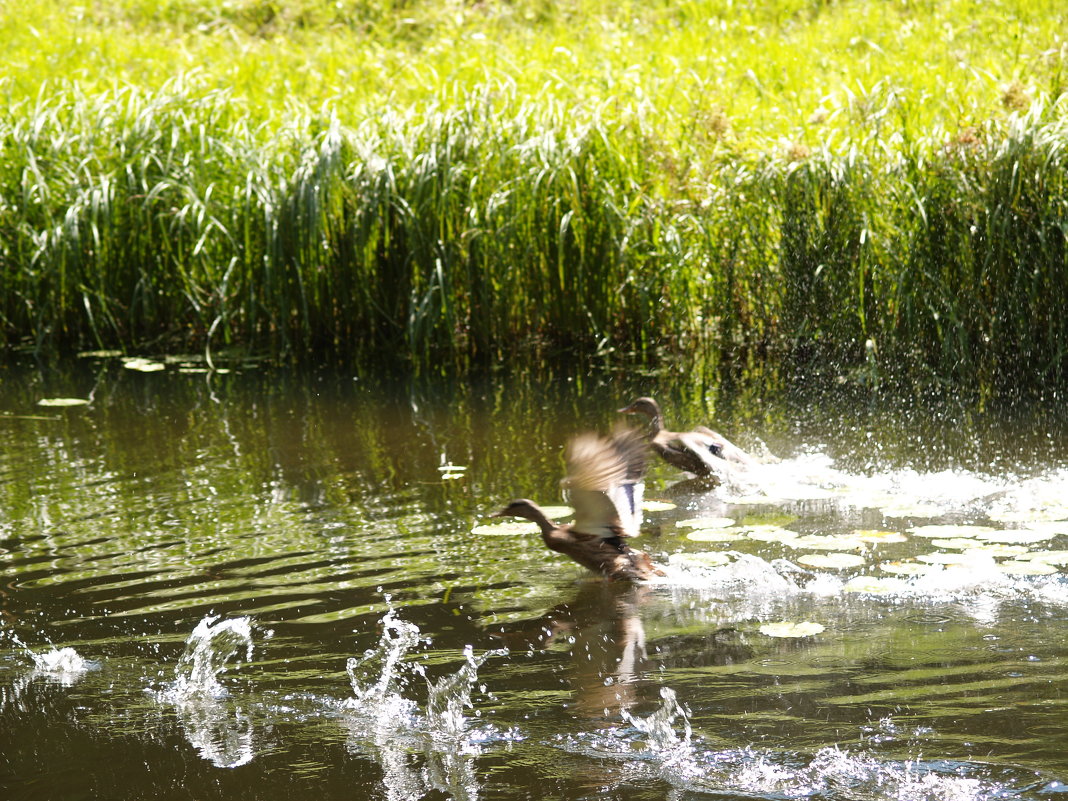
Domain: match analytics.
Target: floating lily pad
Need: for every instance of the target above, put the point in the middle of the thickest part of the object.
(909, 568)
(874, 585)
(508, 528)
(940, 558)
(557, 512)
(706, 522)
(701, 559)
(1029, 568)
(143, 365)
(771, 534)
(997, 550)
(1049, 557)
(1018, 536)
(805, 629)
(833, 561)
(100, 354)
(769, 519)
(1054, 527)
(878, 536)
(949, 530)
(828, 542)
(715, 535)
(657, 506)
(954, 544)
(451, 472)
(911, 510)
(62, 402)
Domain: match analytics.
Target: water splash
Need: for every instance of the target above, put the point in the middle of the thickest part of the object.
(450, 695)
(208, 653)
(659, 727)
(65, 665)
(389, 726)
(381, 670)
(57, 666)
(662, 747)
(220, 731)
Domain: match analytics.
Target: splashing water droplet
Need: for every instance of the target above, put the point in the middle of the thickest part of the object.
(659, 727)
(208, 652)
(450, 695)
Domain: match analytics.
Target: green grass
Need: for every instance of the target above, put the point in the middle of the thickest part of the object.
(875, 188)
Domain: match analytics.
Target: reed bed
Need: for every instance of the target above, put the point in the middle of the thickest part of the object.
(482, 221)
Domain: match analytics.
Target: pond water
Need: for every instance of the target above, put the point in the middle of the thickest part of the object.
(264, 585)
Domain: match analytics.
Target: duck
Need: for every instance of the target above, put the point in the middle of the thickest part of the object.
(604, 484)
(703, 452)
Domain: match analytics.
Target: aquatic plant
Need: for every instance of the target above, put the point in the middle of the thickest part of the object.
(471, 208)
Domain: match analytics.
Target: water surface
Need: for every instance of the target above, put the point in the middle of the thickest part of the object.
(263, 585)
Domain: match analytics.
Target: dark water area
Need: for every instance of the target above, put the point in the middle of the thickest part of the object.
(270, 584)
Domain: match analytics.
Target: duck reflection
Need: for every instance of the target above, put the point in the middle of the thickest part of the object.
(603, 626)
(609, 655)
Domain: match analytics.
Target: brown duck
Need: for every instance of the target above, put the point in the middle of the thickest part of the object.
(703, 452)
(604, 484)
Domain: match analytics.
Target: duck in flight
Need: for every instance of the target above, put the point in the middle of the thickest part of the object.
(604, 483)
(703, 452)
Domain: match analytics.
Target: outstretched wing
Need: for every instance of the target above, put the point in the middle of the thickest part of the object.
(604, 483)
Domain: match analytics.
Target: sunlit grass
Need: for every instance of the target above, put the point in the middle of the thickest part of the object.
(878, 182)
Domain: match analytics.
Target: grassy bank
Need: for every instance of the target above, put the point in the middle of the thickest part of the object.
(880, 185)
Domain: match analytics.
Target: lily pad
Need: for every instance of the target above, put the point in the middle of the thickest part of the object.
(1054, 527)
(791, 630)
(827, 542)
(99, 354)
(954, 544)
(508, 528)
(1049, 557)
(878, 536)
(874, 585)
(1018, 536)
(700, 559)
(771, 534)
(1029, 568)
(706, 522)
(143, 365)
(715, 535)
(833, 561)
(657, 506)
(940, 558)
(911, 510)
(557, 512)
(62, 402)
(949, 530)
(997, 550)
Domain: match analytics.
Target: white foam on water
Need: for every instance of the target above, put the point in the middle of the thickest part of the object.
(662, 746)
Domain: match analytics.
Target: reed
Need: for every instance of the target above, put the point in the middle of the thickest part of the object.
(483, 218)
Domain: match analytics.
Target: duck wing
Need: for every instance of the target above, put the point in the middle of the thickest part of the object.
(604, 483)
(696, 452)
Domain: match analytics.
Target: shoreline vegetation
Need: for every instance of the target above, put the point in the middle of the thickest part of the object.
(877, 186)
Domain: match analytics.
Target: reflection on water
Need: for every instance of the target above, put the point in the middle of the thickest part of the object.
(150, 533)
